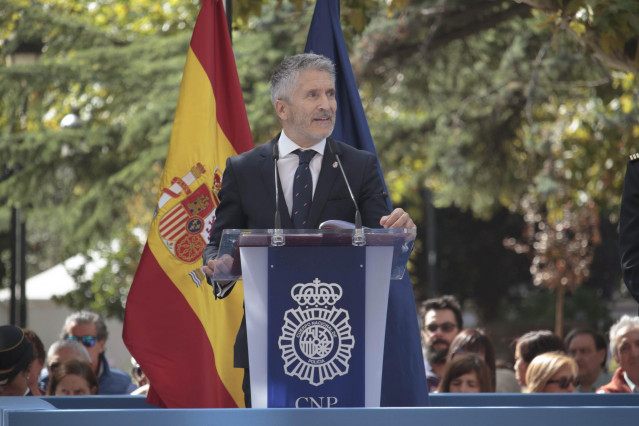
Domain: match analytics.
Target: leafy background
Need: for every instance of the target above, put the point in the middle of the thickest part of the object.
(514, 118)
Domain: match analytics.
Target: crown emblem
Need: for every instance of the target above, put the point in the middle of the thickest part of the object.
(316, 294)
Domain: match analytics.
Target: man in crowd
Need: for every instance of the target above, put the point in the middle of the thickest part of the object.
(442, 320)
(89, 329)
(303, 95)
(588, 348)
(624, 346)
(59, 352)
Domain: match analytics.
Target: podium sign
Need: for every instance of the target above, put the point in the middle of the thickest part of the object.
(316, 326)
(315, 312)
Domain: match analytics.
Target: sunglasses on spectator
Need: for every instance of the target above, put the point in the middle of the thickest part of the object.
(88, 341)
(565, 382)
(446, 327)
(53, 366)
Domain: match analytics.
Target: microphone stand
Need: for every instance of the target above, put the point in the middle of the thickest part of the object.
(359, 239)
(277, 240)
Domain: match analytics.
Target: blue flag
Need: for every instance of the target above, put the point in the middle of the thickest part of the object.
(403, 378)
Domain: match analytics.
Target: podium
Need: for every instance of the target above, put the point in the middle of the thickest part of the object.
(315, 307)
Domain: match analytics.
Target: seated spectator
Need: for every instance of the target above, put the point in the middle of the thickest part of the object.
(588, 347)
(476, 342)
(140, 378)
(466, 373)
(73, 378)
(60, 352)
(37, 364)
(506, 379)
(624, 346)
(89, 329)
(16, 355)
(552, 372)
(529, 346)
(441, 321)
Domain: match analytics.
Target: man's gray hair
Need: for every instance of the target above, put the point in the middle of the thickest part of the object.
(285, 75)
(71, 344)
(625, 324)
(85, 317)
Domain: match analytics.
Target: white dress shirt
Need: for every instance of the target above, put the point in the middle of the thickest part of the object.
(288, 162)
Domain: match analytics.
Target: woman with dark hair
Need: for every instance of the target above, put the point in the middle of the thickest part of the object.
(73, 377)
(466, 373)
(474, 341)
(37, 364)
(532, 344)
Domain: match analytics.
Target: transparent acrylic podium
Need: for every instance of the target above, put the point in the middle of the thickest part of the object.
(245, 255)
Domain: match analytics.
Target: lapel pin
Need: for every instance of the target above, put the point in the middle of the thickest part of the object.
(335, 164)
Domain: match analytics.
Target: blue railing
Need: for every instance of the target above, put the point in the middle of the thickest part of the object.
(446, 409)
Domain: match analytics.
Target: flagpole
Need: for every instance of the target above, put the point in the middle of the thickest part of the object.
(228, 10)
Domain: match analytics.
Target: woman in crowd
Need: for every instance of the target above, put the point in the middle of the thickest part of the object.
(466, 373)
(552, 372)
(475, 341)
(73, 377)
(529, 346)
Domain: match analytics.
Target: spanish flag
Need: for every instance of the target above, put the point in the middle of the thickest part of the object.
(181, 336)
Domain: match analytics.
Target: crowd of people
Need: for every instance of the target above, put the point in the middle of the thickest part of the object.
(456, 359)
(463, 360)
(74, 365)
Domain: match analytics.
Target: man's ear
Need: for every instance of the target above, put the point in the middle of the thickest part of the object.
(601, 353)
(281, 109)
(101, 344)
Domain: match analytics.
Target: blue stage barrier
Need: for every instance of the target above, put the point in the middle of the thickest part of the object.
(98, 402)
(447, 409)
(442, 416)
(533, 400)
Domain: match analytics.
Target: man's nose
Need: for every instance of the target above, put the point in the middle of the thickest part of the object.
(325, 102)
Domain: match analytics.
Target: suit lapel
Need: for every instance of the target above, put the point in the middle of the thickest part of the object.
(325, 182)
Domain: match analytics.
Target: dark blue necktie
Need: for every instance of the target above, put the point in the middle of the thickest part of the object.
(302, 189)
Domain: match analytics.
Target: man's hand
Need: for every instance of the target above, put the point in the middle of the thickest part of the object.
(398, 219)
(223, 265)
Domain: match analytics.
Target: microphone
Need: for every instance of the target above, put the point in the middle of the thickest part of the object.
(358, 236)
(278, 235)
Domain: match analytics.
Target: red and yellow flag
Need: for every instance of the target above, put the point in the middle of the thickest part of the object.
(173, 326)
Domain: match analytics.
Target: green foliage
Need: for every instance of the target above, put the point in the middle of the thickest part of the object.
(485, 103)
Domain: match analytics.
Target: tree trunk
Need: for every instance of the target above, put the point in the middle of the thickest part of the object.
(559, 311)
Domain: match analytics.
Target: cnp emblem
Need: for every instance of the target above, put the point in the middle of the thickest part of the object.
(316, 340)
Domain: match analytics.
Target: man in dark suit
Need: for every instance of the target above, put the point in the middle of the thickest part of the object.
(303, 94)
(629, 227)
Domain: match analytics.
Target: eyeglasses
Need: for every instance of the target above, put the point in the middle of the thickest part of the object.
(88, 341)
(446, 327)
(565, 382)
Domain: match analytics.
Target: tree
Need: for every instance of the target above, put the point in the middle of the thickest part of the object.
(488, 106)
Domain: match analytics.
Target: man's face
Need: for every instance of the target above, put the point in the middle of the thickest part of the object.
(582, 348)
(308, 116)
(64, 354)
(440, 328)
(628, 353)
(80, 330)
